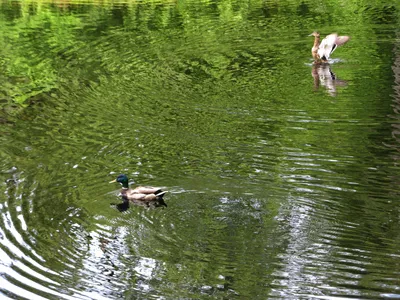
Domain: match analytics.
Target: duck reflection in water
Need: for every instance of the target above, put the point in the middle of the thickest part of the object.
(124, 206)
(324, 76)
(146, 196)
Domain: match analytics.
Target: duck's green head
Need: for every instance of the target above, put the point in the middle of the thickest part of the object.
(122, 179)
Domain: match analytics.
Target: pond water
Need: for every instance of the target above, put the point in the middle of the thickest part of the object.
(282, 176)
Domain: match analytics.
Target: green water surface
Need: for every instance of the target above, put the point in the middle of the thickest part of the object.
(282, 176)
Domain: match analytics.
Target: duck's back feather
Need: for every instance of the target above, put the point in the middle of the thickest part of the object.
(340, 40)
(329, 44)
(146, 190)
(143, 193)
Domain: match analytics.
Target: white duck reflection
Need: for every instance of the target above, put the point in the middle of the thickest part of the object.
(323, 76)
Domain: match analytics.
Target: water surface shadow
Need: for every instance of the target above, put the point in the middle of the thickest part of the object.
(124, 206)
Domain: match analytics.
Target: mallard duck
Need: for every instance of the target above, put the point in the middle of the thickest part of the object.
(139, 194)
(322, 51)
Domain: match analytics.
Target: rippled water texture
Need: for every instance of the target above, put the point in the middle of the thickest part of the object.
(282, 176)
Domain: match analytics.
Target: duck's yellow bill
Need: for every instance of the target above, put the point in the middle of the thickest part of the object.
(115, 180)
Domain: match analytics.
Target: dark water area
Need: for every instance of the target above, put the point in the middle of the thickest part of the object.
(282, 175)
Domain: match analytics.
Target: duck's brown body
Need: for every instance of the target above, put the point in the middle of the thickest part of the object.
(144, 193)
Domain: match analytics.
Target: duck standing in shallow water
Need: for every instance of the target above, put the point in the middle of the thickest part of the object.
(322, 50)
(142, 195)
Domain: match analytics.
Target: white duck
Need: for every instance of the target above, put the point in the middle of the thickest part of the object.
(322, 50)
